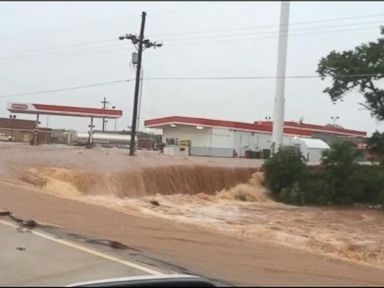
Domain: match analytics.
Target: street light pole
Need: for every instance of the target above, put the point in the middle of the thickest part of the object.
(13, 117)
(334, 118)
(113, 107)
(301, 120)
(90, 138)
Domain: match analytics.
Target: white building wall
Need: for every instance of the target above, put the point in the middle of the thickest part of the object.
(303, 149)
(204, 142)
(262, 141)
(242, 142)
(197, 137)
(256, 141)
(314, 155)
(222, 138)
(310, 153)
(222, 141)
(175, 151)
(288, 140)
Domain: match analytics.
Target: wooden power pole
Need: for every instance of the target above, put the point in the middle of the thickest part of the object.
(142, 43)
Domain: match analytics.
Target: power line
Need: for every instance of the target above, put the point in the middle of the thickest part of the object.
(63, 89)
(78, 44)
(221, 39)
(267, 37)
(116, 47)
(69, 27)
(276, 31)
(258, 77)
(111, 48)
(91, 43)
(154, 13)
(186, 78)
(272, 25)
(63, 52)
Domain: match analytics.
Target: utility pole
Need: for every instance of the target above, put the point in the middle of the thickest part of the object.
(36, 131)
(113, 107)
(13, 117)
(278, 113)
(140, 97)
(141, 42)
(104, 102)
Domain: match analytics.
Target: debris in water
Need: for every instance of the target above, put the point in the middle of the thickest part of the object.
(4, 212)
(154, 203)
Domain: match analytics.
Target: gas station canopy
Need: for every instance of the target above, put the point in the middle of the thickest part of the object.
(45, 109)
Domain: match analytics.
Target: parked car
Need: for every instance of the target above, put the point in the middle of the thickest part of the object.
(5, 137)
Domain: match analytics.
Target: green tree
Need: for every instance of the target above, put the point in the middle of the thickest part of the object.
(376, 145)
(360, 68)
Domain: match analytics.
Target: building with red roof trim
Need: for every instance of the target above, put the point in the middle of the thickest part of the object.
(212, 137)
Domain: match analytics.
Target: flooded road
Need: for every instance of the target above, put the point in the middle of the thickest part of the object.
(243, 211)
(220, 209)
(353, 234)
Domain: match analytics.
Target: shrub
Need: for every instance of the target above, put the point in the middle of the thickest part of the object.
(368, 184)
(339, 162)
(291, 194)
(315, 188)
(339, 180)
(283, 170)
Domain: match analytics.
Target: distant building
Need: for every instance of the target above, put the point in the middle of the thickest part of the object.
(210, 137)
(311, 148)
(22, 130)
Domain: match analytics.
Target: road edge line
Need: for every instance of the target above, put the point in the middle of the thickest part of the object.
(89, 251)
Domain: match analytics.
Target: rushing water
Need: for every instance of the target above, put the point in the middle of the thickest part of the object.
(232, 201)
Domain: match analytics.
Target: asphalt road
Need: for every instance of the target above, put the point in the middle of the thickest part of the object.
(41, 258)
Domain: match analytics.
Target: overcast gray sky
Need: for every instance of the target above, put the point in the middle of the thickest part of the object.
(64, 44)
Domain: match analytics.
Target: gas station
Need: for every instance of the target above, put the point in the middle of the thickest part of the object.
(58, 110)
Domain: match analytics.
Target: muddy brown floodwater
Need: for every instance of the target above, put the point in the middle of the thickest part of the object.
(218, 202)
